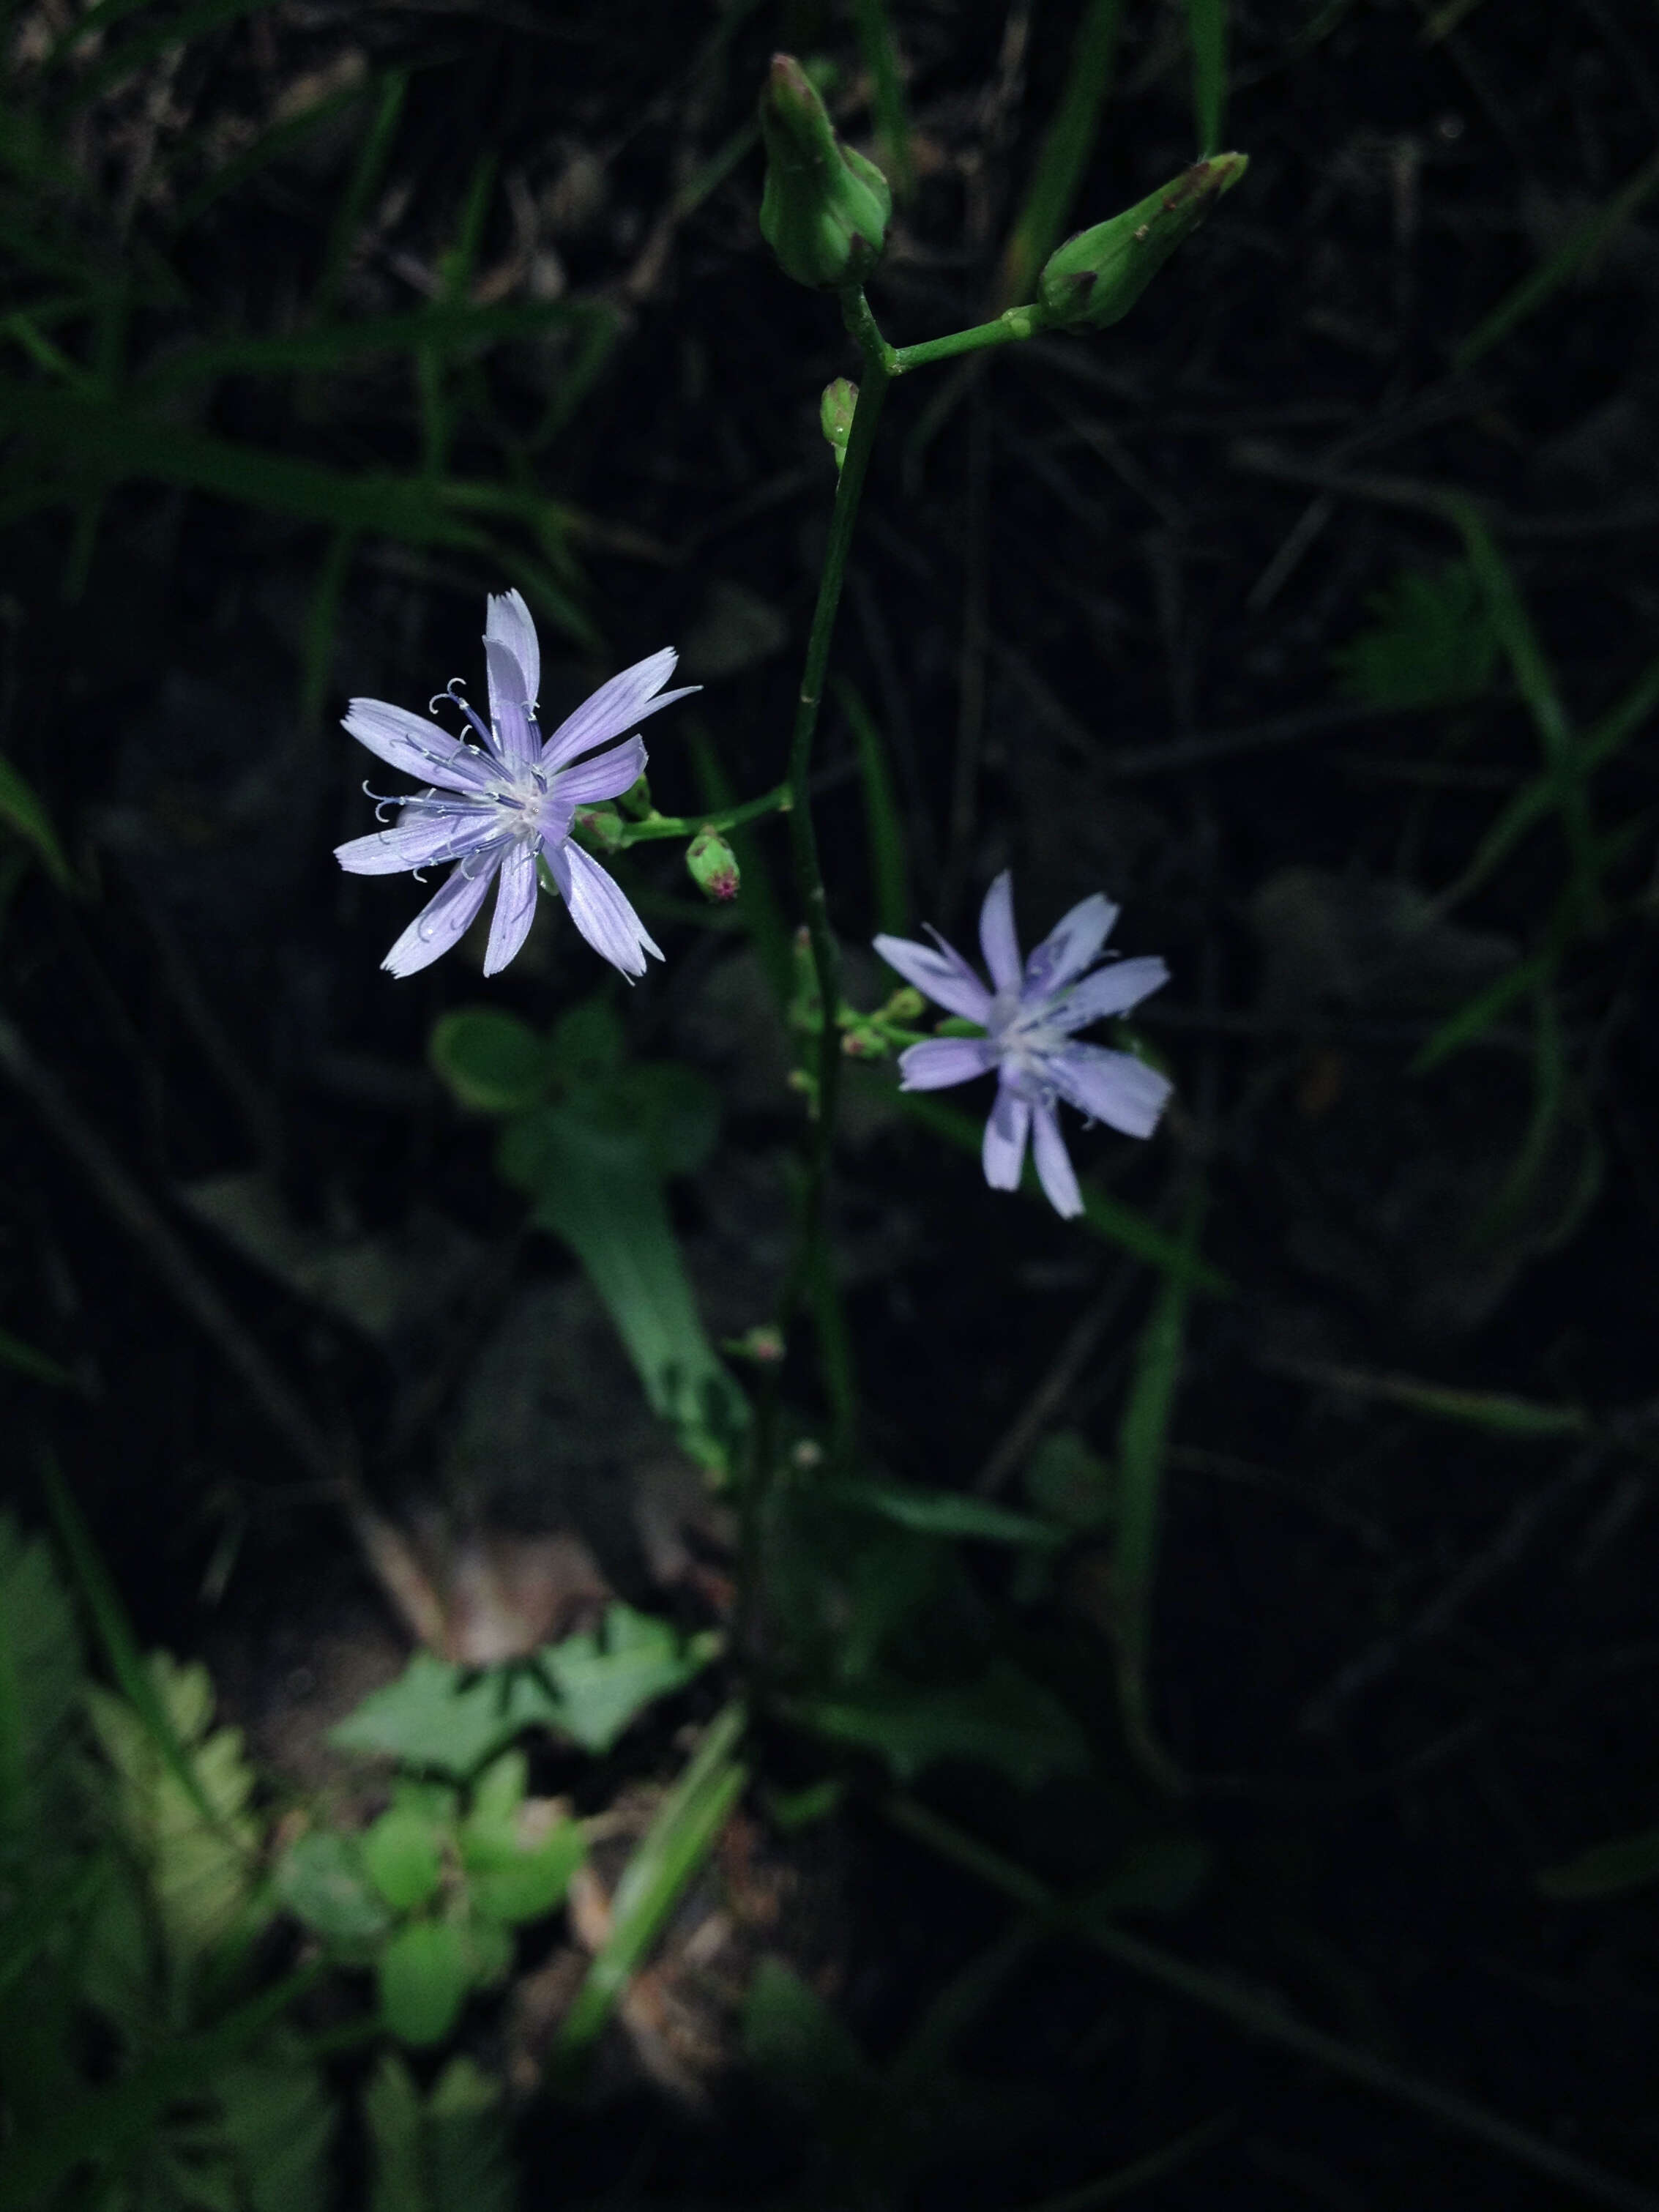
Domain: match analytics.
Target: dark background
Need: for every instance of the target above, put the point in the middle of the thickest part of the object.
(1097, 607)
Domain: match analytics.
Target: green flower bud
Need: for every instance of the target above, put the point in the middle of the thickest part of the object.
(714, 864)
(836, 412)
(636, 801)
(599, 828)
(864, 1043)
(824, 210)
(1095, 278)
(906, 1005)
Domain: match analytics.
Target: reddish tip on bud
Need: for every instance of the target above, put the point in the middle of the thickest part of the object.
(713, 865)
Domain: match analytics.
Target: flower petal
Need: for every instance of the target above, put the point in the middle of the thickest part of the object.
(607, 775)
(939, 974)
(942, 1061)
(419, 747)
(508, 623)
(1054, 1165)
(509, 706)
(997, 940)
(442, 921)
(1070, 945)
(1111, 990)
(515, 908)
(599, 909)
(1110, 1087)
(420, 840)
(1004, 1149)
(615, 707)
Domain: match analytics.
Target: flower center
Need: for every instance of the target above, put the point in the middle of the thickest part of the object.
(1023, 1041)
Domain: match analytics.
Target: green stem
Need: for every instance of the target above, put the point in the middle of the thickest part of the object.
(1015, 324)
(778, 800)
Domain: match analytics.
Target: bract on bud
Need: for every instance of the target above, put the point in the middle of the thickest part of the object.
(1095, 278)
(836, 413)
(598, 828)
(714, 864)
(825, 208)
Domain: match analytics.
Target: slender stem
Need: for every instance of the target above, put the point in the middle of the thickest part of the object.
(1016, 323)
(778, 800)
(813, 1267)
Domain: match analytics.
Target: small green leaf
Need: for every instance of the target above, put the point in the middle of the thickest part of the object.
(588, 1044)
(425, 1973)
(446, 2154)
(791, 2037)
(403, 1858)
(500, 1790)
(520, 1871)
(1607, 1869)
(492, 1061)
(603, 1685)
(323, 1881)
(1004, 1720)
(1430, 642)
(946, 1513)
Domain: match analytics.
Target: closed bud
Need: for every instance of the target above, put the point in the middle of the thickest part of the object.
(636, 801)
(599, 828)
(1095, 278)
(836, 412)
(824, 209)
(714, 864)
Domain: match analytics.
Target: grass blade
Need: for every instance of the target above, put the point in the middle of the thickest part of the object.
(22, 812)
(880, 53)
(23, 1359)
(1069, 141)
(1586, 239)
(1497, 1412)
(883, 822)
(667, 1857)
(1206, 33)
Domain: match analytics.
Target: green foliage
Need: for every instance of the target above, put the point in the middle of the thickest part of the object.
(946, 1513)
(41, 1672)
(444, 2152)
(491, 1060)
(322, 1879)
(198, 1847)
(449, 1719)
(424, 1972)
(24, 815)
(1003, 1720)
(1430, 643)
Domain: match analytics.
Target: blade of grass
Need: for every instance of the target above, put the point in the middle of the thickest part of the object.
(23, 1359)
(1066, 146)
(446, 327)
(1587, 238)
(1143, 1441)
(667, 1857)
(1535, 799)
(1536, 682)
(1497, 1412)
(883, 823)
(111, 68)
(454, 275)
(126, 1661)
(321, 619)
(1549, 1097)
(372, 156)
(1109, 1218)
(24, 814)
(880, 53)
(1206, 33)
(271, 146)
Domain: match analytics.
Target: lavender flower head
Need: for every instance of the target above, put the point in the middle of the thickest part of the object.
(499, 799)
(1030, 1017)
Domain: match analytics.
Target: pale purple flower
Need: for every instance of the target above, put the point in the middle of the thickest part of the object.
(499, 799)
(1030, 1016)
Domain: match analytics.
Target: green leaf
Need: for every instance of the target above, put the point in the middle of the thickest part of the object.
(323, 1881)
(23, 814)
(403, 1858)
(492, 1061)
(519, 1868)
(439, 1717)
(1430, 642)
(603, 1684)
(279, 2123)
(589, 1045)
(600, 1191)
(198, 1843)
(1004, 1720)
(424, 1974)
(946, 1513)
(791, 2037)
(448, 2152)
(1608, 1869)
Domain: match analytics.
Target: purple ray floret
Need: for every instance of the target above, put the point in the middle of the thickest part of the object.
(1030, 1015)
(500, 797)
